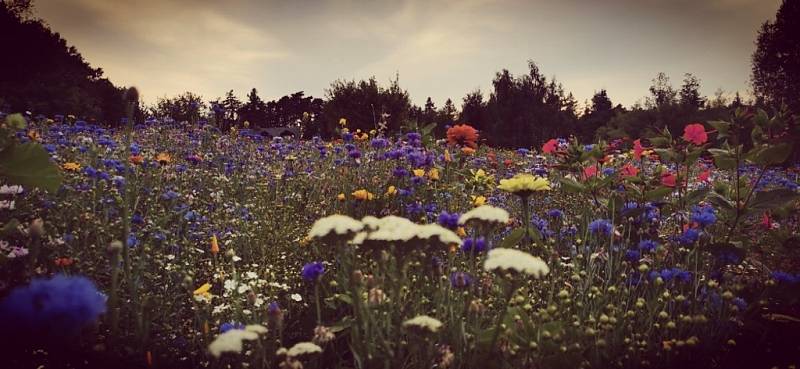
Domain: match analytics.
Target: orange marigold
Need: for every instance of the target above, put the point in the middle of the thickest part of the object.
(462, 135)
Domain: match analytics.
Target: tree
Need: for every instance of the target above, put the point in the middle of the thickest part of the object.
(473, 110)
(661, 91)
(185, 107)
(364, 104)
(41, 73)
(598, 114)
(690, 93)
(254, 110)
(776, 61)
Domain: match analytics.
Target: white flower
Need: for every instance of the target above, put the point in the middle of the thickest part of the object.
(10, 190)
(231, 341)
(303, 348)
(296, 297)
(257, 328)
(519, 261)
(423, 322)
(485, 213)
(341, 225)
(444, 235)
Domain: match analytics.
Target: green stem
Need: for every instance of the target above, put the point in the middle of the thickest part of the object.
(507, 300)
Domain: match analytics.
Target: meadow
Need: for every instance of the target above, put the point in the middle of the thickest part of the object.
(178, 245)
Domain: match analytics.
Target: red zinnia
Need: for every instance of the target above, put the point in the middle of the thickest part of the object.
(550, 146)
(695, 133)
(703, 176)
(462, 135)
(668, 179)
(638, 149)
(590, 171)
(629, 170)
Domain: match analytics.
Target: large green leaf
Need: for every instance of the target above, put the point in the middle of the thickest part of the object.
(695, 196)
(772, 154)
(658, 193)
(513, 238)
(29, 165)
(766, 200)
(570, 185)
(723, 159)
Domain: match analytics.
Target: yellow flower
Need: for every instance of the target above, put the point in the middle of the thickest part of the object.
(524, 184)
(342, 122)
(447, 157)
(433, 174)
(478, 200)
(340, 197)
(461, 232)
(391, 191)
(203, 290)
(33, 135)
(419, 172)
(71, 166)
(363, 195)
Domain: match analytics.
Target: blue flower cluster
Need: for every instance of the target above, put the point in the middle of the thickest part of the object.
(670, 274)
(704, 216)
(600, 227)
(313, 271)
(50, 309)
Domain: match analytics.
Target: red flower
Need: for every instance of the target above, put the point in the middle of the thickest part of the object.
(590, 171)
(508, 163)
(462, 135)
(695, 133)
(703, 176)
(549, 147)
(766, 222)
(638, 149)
(668, 179)
(629, 170)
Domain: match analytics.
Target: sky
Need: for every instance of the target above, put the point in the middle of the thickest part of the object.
(441, 49)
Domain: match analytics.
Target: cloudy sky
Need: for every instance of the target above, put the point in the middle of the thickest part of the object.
(439, 48)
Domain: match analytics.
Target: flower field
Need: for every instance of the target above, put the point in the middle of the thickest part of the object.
(169, 246)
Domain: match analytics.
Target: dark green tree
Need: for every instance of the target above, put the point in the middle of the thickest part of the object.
(254, 110)
(776, 61)
(690, 93)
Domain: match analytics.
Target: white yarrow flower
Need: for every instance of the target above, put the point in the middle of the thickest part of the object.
(230, 341)
(303, 348)
(516, 260)
(423, 322)
(340, 225)
(485, 213)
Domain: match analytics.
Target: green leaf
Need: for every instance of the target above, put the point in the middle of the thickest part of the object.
(773, 154)
(513, 238)
(16, 121)
(665, 154)
(723, 159)
(570, 185)
(658, 193)
(29, 165)
(722, 128)
(695, 196)
(693, 155)
(659, 141)
(10, 227)
(766, 200)
(721, 201)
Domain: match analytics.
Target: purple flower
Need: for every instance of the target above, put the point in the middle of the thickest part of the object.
(474, 245)
(460, 280)
(600, 227)
(313, 271)
(448, 220)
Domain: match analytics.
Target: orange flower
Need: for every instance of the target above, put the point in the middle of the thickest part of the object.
(340, 197)
(363, 195)
(214, 245)
(72, 167)
(447, 157)
(433, 174)
(33, 135)
(467, 150)
(462, 135)
(137, 159)
(629, 170)
(163, 158)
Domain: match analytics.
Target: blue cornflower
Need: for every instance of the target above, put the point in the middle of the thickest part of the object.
(448, 220)
(132, 241)
(704, 215)
(689, 237)
(313, 271)
(600, 227)
(474, 245)
(555, 213)
(460, 280)
(230, 325)
(400, 172)
(648, 245)
(633, 255)
(58, 307)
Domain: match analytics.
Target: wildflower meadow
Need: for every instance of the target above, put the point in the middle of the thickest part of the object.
(171, 245)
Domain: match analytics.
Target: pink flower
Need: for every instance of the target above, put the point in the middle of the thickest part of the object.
(695, 133)
(703, 176)
(550, 146)
(590, 171)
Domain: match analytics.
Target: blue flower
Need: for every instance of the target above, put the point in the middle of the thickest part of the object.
(313, 271)
(46, 309)
(555, 213)
(633, 255)
(788, 278)
(703, 215)
(600, 227)
(648, 245)
(448, 220)
(689, 237)
(460, 280)
(474, 245)
(230, 325)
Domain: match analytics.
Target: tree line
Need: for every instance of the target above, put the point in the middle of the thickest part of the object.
(47, 76)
